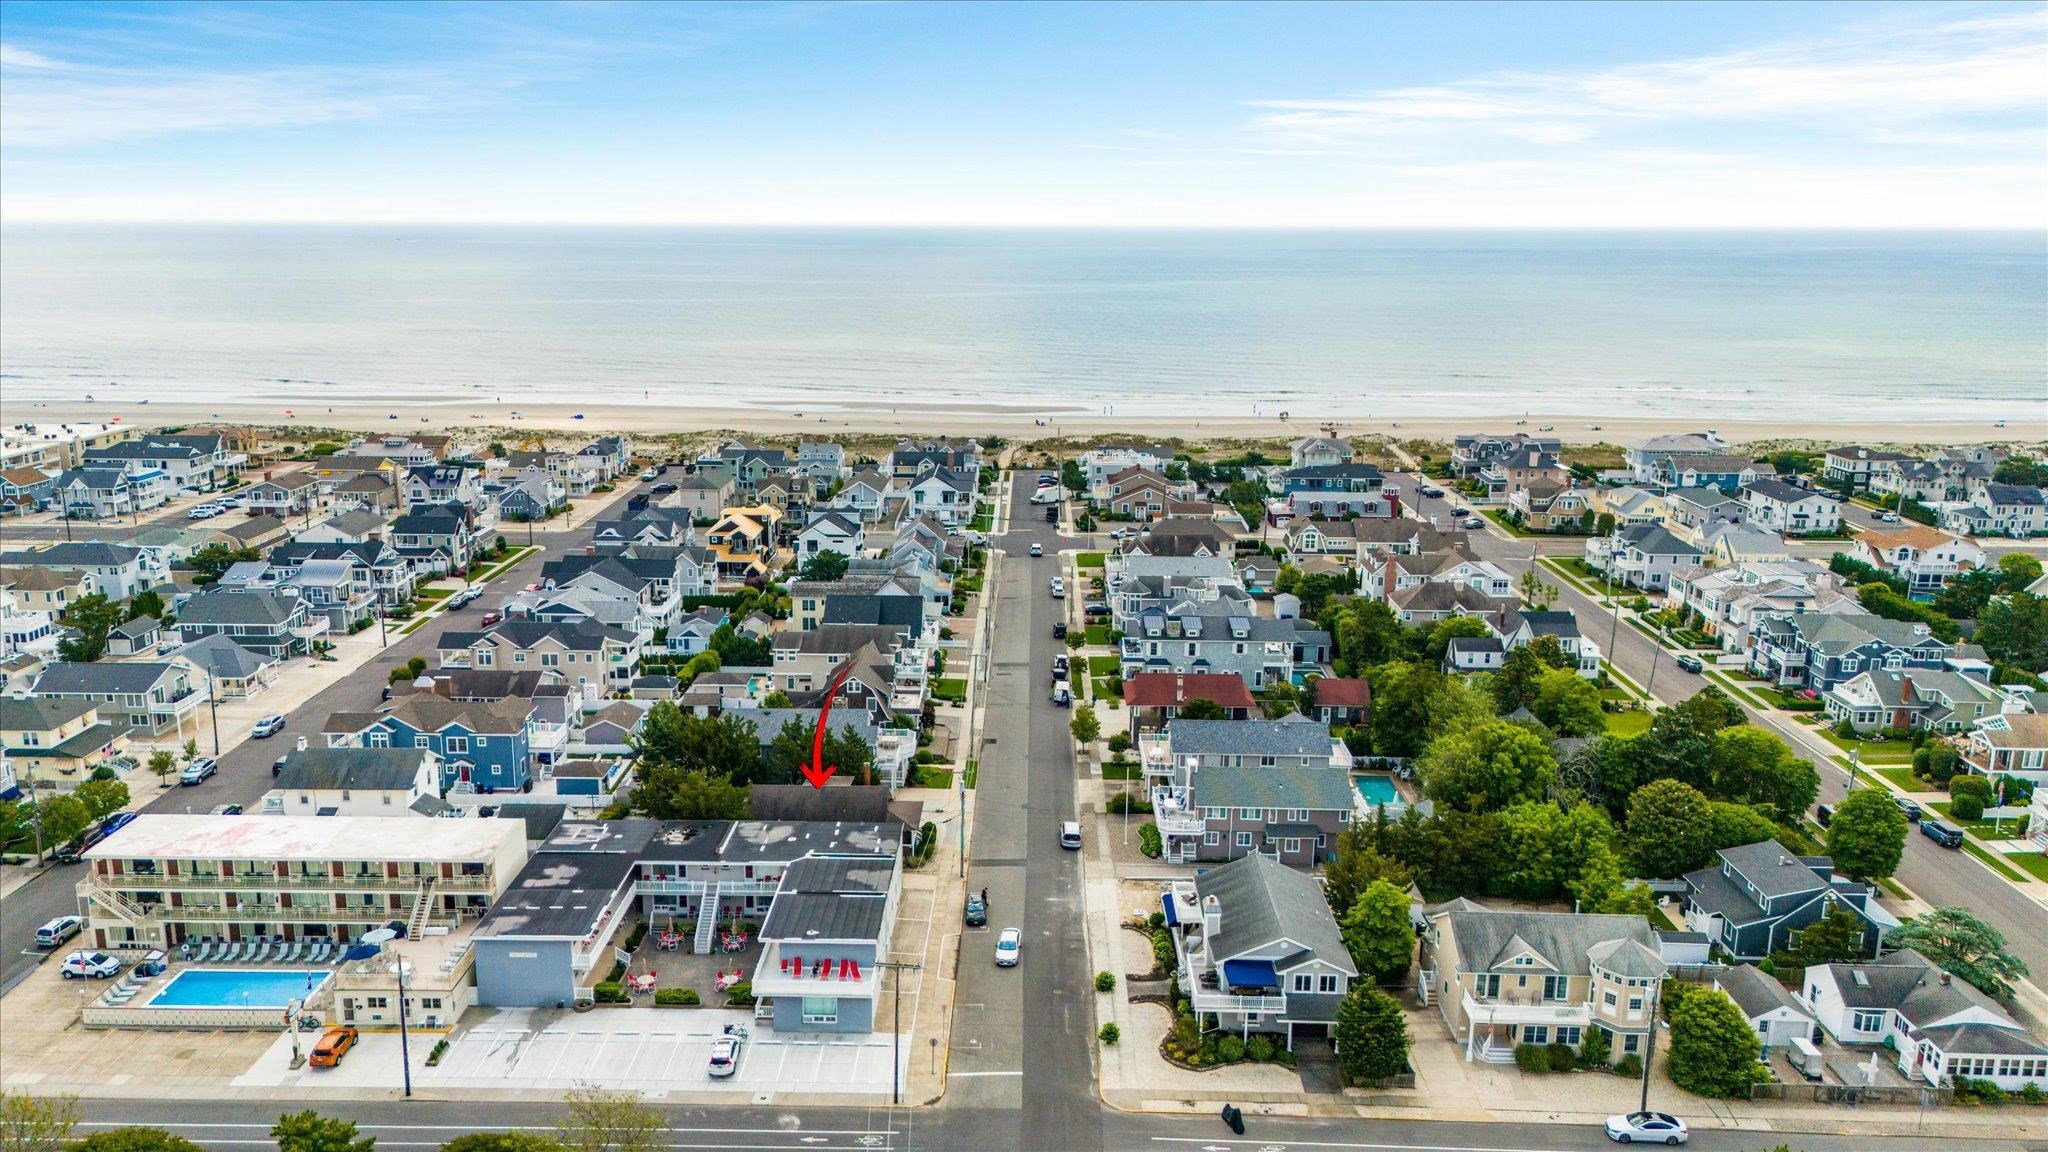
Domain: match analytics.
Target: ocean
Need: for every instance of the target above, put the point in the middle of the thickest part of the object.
(1813, 326)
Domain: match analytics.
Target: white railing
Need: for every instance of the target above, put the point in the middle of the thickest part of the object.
(1491, 1010)
(1172, 813)
(1226, 1002)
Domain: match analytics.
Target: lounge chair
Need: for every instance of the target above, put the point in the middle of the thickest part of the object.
(263, 952)
(292, 950)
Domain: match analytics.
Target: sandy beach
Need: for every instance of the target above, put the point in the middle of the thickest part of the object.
(1016, 424)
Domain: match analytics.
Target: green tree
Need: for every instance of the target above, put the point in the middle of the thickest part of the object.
(1536, 592)
(1514, 686)
(1670, 829)
(1413, 704)
(163, 763)
(1072, 478)
(669, 791)
(1568, 703)
(36, 1123)
(777, 699)
(1453, 628)
(1201, 709)
(1542, 847)
(1707, 711)
(63, 816)
(2014, 631)
(1714, 1051)
(1966, 593)
(599, 1120)
(1279, 699)
(133, 1140)
(1365, 634)
(1758, 767)
(513, 1141)
(1379, 934)
(210, 562)
(1867, 834)
(1737, 824)
(102, 798)
(825, 565)
(726, 745)
(1371, 1034)
(1837, 938)
(1486, 767)
(1961, 943)
(2017, 570)
(91, 617)
(1355, 863)
(2023, 470)
(146, 603)
(308, 1131)
(189, 752)
(1085, 726)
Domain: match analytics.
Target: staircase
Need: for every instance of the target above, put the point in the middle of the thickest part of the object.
(122, 906)
(422, 905)
(1491, 1053)
(707, 919)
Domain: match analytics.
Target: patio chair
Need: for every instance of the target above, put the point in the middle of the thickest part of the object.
(294, 951)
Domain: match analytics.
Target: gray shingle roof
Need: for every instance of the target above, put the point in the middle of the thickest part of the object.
(1488, 938)
(1755, 992)
(365, 769)
(1296, 735)
(1316, 789)
(1262, 901)
(40, 713)
(84, 554)
(238, 606)
(1772, 869)
(124, 678)
(224, 658)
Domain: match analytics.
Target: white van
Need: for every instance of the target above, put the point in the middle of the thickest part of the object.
(58, 931)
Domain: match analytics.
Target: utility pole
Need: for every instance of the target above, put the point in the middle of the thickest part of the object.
(213, 710)
(899, 967)
(1650, 1047)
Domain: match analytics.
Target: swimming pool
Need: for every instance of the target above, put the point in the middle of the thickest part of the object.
(1377, 791)
(238, 988)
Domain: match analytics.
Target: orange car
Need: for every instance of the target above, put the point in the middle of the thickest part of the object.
(332, 1047)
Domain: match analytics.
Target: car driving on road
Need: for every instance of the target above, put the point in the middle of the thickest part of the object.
(1009, 947)
(267, 727)
(1038, 549)
(1059, 588)
(1690, 663)
(1648, 1127)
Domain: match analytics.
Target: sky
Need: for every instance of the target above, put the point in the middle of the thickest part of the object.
(1782, 115)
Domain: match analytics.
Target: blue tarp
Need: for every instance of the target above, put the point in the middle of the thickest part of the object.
(369, 951)
(1250, 974)
(1166, 901)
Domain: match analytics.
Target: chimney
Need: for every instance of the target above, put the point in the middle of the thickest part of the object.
(1212, 918)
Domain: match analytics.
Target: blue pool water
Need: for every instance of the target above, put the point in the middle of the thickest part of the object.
(237, 988)
(1377, 790)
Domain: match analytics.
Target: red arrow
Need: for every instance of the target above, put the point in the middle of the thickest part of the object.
(817, 771)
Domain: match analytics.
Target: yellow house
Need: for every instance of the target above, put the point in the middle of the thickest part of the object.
(56, 743)
(743, 540)
(39, 589)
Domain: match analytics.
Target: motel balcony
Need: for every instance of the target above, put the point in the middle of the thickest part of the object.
(784, 970)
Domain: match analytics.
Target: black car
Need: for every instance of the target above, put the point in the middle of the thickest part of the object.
(1824, 815)
(1059, 630)
(977, 912)
(1052, 515)
(663, 488)
(1913, 811)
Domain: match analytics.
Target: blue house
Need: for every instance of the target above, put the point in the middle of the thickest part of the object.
(484, 746)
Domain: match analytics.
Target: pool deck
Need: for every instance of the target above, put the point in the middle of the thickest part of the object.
(294, 974)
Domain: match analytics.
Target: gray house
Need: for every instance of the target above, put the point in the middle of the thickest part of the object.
(259, 619)
(1755, 898)
(1222, 789)
(1258, 949)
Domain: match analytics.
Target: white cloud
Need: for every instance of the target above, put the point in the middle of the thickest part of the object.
(1864, 86)
(12, 57)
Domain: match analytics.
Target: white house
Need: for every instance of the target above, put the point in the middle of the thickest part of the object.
(1773, 1011)
(1925, 557)
(1997, 510)
(356, 782)
(839, 532)
(1776, 506)
(1937, 1026)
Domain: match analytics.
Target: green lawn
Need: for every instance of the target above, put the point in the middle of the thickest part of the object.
(933, 776)
(1086, 560)
(1107, 687)
(1501, 518)
(1904, 778)
(1126, 771)
(1104, 665)
(973, 770)
(1097, 634)
(1871, 751)
(434, 594)
(2033, 862)
(1983, 829)
(1628, 723)
(1993, 860)
(952, 688)
(512, 557)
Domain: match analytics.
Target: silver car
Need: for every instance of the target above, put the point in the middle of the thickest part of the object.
(1009, 947)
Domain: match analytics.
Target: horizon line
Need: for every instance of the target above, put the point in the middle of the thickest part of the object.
(7, 221)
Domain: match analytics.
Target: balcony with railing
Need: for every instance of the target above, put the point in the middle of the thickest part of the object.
(295, 882)
(1525, 1008)
(785, 971)
(1174, 814)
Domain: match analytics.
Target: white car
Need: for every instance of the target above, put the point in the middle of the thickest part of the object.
(725, 1053)
(227, 502)
(1649, 1127)
(197, 770)
(90, 965)
(1059, 588)
(1009, 947)
(1038, 549)
(649, 476)
(202, 512)
(267, 727)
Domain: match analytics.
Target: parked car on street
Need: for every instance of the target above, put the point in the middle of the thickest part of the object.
(197, 770)
(1914, 812)
(663, 488)
(1009, 947)
(1062, 696)
(89, 965)
(1474, 522)
(1649, 1127)
(58, 931)
(1690, 663)
(332, 1047)
(1059, 588)
(1070, 833)
(977, 912)
(489, 618)
(267, 727)
(1059, 630)
(226, 810)
(1052, 515)
(1942, 832)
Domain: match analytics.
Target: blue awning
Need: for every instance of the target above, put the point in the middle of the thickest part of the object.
(1166, 900)
(1250, 974)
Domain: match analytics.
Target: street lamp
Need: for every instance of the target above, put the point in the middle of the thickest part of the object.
(381, 937)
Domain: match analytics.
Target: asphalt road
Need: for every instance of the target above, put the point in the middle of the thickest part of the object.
(244, 774)
(1023, 1037)
(951, 1128)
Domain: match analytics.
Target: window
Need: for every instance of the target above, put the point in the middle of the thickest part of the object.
(1303, 982)
(519, 657)
(1535, 1034)
(821, 1010)
(1635, 1004)
(422, 740)
(1251, 814)
(1290, 845)
(1215, 813)
(1297, 815)
(1629, 1043)
(1212, 838)
(1327, 983)
(457, 745)
(1554, 987)
(1608, 999)
(1867, 1020)
(1244, 839)
(1489, 986)
(1570, 1034)
(376, 1002)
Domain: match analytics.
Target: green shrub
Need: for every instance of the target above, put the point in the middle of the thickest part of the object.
(638, 934)
(677, 997)
(1105, 981)
(1109, 1033)
(1968, 806)
(741, 995)
(1563, 1058)
(1229, 1049)
(434, 1055)
(1595, 1048)
(1162, 951)
(1970, 785)
(2032, 1093)
(1532, 1058)
(1259, 1048)
(610, 992)
(1630, 1065)
(1148, 839)
(1981, 1091)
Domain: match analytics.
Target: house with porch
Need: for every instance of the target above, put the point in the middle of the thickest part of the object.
(292, 494)
(1643, 556)
(25, 489)
(1775, 506)
(1258, 950)
(1997, 510)
(743, 542)
(115, 571)
(1153, 699)
(262, 620)
(1499, 978)
(583, 651)
(1820, 650)
(1852, 465)
(1472, 452)
(149, 697)
(1937, 1028)
(1911, 699)
(1709, 470)
(439, 539)
(435, 485)
(831, 531)
(2009, 744)
(1222, 789)
(1519, 626)
(235, 672)
(1925, 558)
(480, 747)
(1645, 457)
(54, 743)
